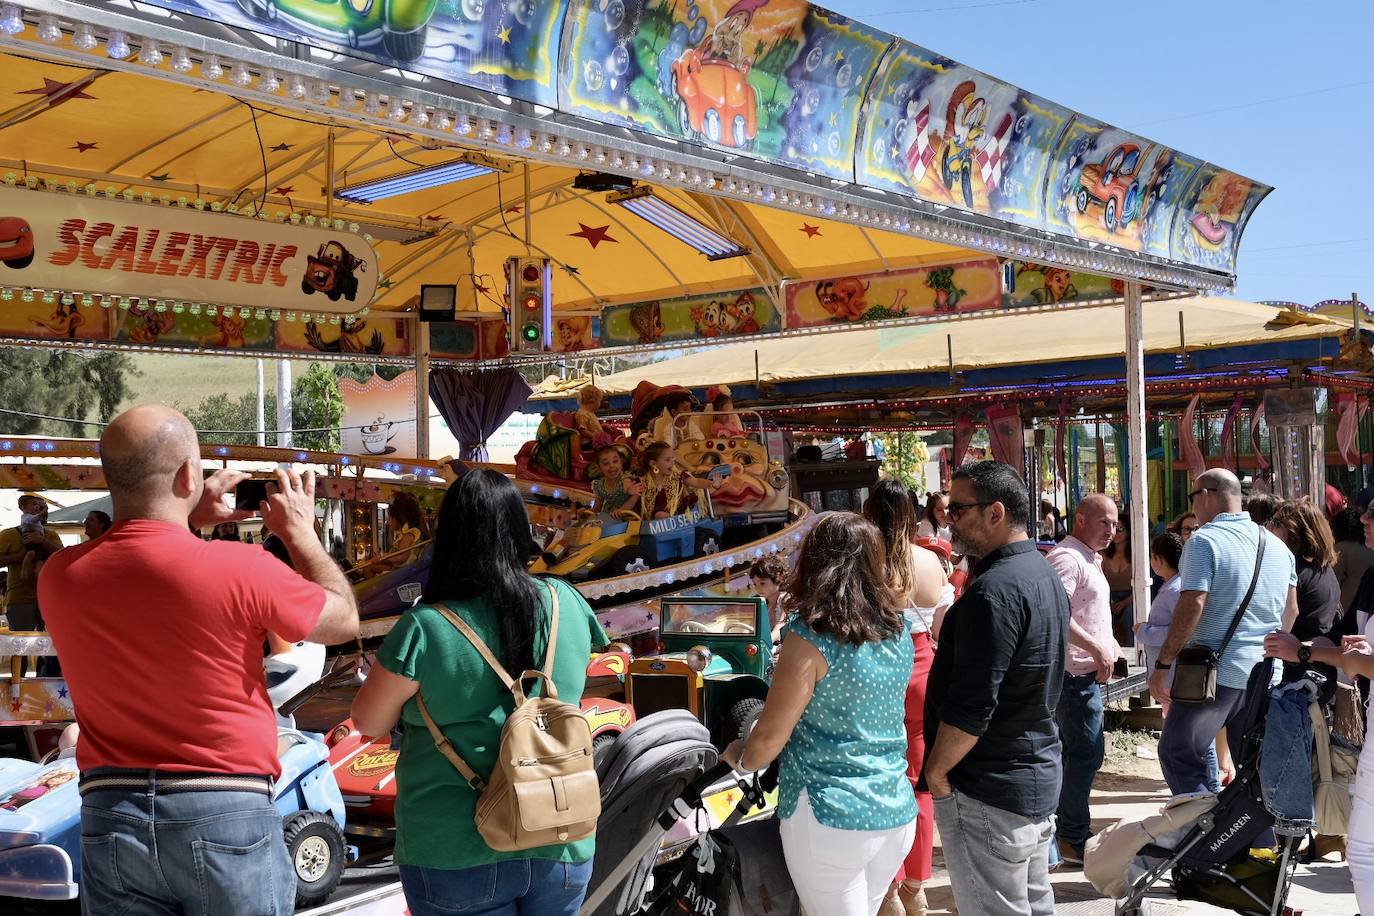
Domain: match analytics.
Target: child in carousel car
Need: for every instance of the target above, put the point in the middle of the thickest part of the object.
(668, 491)
(667, 430)
(724, 421)
(615, 493)
(589, 401)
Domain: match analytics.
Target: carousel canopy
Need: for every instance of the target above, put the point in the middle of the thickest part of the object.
(1200, 333)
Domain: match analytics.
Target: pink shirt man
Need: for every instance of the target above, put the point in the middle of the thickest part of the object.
(1079, 567)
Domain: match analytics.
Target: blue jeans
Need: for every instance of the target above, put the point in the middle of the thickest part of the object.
(1080, 720)
(997, 859)
(1286, 761)
(197, 853)
(516, 887)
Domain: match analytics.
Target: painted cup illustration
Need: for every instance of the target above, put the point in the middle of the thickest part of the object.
(377, 435)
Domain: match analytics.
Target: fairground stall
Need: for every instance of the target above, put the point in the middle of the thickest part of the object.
(472, 188)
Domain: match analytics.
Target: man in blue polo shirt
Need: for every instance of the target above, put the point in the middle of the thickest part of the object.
(1215, 572)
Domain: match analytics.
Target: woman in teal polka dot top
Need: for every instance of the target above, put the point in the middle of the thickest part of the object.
(835, 714)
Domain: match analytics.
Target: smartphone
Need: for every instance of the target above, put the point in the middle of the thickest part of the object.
(250, 494)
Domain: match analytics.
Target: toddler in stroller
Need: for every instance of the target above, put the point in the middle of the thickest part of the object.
(1204, 842)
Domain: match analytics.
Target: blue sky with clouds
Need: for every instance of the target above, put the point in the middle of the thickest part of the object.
(1280, 92)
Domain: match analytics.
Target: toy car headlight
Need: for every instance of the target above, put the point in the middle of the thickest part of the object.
(339, 733)
(698, 658)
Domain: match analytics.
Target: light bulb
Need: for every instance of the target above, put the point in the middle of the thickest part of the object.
(11, 19)
(270, 82)
(322, 94)
(523, 139)
(396, 111)
(421, 117)
(84, 39)
(49, 29)
(442, 120)
(181, 61)
(117, 45)
(371, 103)
(150, 54)
(295, 87)
(212, 69)
(240, 76)
(462, 125)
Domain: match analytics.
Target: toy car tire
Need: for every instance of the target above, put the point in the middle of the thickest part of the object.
(1109, 215)
(1082, 200)
(601, 745)
(316, 847)
(20, 263)
(741, 718)
(307, 288)
(404, 46)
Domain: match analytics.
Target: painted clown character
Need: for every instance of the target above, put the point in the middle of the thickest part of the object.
(964, 119)
(1218, 209)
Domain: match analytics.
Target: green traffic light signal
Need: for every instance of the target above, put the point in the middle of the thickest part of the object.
(530, 332)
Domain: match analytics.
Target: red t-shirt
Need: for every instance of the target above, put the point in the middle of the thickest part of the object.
(160, 636)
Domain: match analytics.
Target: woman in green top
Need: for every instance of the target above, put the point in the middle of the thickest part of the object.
(835, 713)
(481, 548)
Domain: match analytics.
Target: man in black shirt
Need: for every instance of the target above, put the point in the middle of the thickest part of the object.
(994, 765)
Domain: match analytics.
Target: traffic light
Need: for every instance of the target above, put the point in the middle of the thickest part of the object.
(529, 292)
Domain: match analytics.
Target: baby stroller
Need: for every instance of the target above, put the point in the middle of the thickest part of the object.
(1208, 856)
(655, 775)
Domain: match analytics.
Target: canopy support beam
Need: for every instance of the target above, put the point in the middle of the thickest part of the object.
(1139, 508)
(422, 390)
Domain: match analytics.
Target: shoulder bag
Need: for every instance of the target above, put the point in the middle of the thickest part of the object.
(1195, 668)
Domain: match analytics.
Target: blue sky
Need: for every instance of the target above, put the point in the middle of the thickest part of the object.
(1280, 92)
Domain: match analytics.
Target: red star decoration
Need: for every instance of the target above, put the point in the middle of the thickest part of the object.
(284, 190)
(436, 217)
(58, 92)
(515, 208)
(810, 230)
(82, 147)
(594, 235)
(281, 147)
(477, 285)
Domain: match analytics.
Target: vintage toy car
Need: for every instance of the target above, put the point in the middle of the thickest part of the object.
(40, 823)
(715, 659)
(597, 545)
(16, 242)
(399, 26)
(330, 271)
(1115, 184)
(715, 100)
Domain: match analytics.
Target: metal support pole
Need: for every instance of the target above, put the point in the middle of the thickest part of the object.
(1135, 435)
(284, 404)
(422, 390)
(261, 413)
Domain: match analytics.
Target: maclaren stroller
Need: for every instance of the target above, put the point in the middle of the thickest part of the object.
(1203, 842)
(659, 772)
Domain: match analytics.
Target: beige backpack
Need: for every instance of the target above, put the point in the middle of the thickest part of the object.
(543, 789)
(1333, 777)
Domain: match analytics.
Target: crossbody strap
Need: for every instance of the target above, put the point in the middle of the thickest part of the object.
(1249, 593)
(1322, 738)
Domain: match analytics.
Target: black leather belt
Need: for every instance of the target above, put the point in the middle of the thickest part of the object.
(163, 781)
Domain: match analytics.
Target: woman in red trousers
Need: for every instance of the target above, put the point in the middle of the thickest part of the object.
(917, 575)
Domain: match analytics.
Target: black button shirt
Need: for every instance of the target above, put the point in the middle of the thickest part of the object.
(997, 674)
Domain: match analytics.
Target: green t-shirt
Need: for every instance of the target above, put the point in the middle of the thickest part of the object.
(434, 806)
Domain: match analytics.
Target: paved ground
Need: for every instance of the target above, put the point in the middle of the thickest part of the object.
(1130, 786)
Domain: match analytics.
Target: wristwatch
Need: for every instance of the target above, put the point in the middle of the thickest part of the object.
(1304, 654)
(1163, 666)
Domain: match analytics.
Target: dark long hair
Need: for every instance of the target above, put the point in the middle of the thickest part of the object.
(840, 585)
(889, 508)
(405, 509)
(482, 545)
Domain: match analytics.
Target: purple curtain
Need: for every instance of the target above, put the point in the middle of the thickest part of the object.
(476, 403)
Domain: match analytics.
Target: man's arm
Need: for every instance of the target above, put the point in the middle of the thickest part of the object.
(1187, 613)
(1290, 613)
(16, 547)
(1103, 657)
(290, 512)
(951, 746)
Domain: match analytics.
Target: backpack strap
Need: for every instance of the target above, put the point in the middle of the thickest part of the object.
(445, 746)
(553, 639)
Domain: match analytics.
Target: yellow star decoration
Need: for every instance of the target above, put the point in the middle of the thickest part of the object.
(504, 34)
(839, 56)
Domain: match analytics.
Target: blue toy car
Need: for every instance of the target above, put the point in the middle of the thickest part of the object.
(40, 823)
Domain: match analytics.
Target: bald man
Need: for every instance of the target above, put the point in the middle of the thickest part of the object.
(1088, 661)
(160, 635)
(1218, 564)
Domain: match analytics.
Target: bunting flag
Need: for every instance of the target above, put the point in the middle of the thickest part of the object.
(1005, 435)
(1255, 445)
(1348, 428)
(1187, 441)
(964, 428)
(1228, 434)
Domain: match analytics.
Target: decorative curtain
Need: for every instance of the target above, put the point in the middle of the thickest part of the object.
(1005, 435)
(964, 428)
(476, 403)
(1348, 428)
(1228, 434)
(1187, 441)
(1061, 463)
(1255, 446)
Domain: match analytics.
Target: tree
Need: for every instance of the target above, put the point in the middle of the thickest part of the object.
(905, 457)
(80, 384)
(316, 404)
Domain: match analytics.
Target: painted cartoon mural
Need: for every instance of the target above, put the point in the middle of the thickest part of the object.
(1049, 284)
(575, 333)
(694, 317)
(925, 291)
(778, 78)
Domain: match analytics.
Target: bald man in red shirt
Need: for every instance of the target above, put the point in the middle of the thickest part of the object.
(160, 636)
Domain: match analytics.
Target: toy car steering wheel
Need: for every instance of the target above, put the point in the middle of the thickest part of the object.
(628, 515)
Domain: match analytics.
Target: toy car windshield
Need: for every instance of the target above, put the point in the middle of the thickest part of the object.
(727, 617)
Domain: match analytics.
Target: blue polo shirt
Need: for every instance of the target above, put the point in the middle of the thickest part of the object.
(1219, 559)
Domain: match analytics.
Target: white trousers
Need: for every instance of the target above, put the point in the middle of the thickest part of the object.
(842, 872)
(1359, 843)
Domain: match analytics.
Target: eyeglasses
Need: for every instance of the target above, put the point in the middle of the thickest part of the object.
(954, 510)
(1194, 495)
(1188, 529)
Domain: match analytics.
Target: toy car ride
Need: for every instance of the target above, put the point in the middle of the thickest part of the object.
(714, 662)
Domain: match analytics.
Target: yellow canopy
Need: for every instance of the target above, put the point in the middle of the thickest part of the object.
(1028, 336)
(78, 123)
